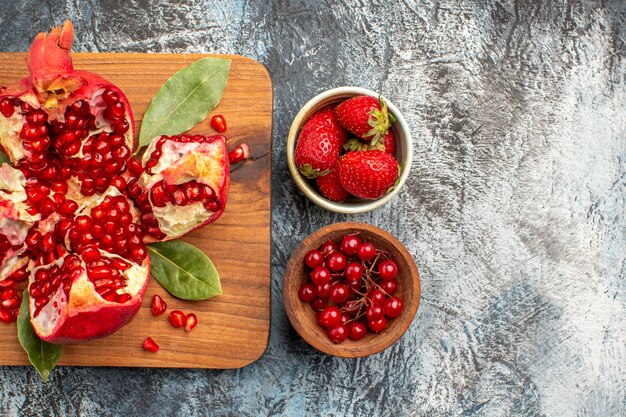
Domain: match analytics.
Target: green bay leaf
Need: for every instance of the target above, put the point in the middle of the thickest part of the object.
(43, 355)
(4, 158)
(184, 270)
(185, 99)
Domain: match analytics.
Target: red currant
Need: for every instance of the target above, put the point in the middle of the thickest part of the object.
(350, 244)
(393, 307)
(374, 312)
(376, 296)
(330, 317)
(389, 286)
(339, 293)
(354, 271)
(322, 291)
(306, 292)
(313, 259)
(319, 304)
(387, 269)
(377, 326)
(356, 330)
(338, 333)
(320, 276)
(328, 247)
(366, 252)
(336, 261)
(345, 317)
(356, 286)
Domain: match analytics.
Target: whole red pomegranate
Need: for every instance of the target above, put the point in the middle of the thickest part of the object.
(69, 133)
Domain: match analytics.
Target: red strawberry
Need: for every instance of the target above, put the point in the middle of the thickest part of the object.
(319, 143)
(368, 174)
(388, 144)
(365, 116)
(389, 140)
(331, 188)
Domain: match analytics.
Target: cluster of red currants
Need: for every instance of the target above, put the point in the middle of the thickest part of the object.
(351, 288)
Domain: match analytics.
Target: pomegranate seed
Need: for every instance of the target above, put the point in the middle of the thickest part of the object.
(121, 127)
(135, 167)
(158, 305)
(8, 293)
(37, 117)
(5, 316)
(6, 283)
(191, 321)
(150, 345)
(110, 97)
(6, 107)
(91, 253)
(240, 153)
(177, 318)
(68, 207)
(218, 122)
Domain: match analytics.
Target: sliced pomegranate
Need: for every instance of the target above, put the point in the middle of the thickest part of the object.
(183, 186)
(72, 300)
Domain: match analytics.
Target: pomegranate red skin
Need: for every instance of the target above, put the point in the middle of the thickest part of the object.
(95, 324)
(101, 320)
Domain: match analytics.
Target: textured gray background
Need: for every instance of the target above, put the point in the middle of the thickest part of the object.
(514, 209)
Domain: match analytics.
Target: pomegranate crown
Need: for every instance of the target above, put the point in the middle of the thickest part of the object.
(49, 61)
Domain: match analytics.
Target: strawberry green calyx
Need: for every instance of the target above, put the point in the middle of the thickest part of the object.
(380, 121)
(309, 172)
(355, 144)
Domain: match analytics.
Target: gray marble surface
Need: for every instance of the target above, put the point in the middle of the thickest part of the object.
(514, 209)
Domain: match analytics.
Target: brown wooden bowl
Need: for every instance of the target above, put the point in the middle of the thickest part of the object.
(302, 316)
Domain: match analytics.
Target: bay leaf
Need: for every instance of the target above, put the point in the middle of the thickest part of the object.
(4, 158)
(43, 355)
(185, 99)
(184, 270)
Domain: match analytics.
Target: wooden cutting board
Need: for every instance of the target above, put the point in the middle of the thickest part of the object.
(233, 328)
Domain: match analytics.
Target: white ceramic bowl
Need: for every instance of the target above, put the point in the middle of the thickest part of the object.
(404, 150)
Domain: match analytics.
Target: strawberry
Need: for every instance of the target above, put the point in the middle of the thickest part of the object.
(388, 144)
(331, 188)
(365, 116)
(319, 143)
(368, 174)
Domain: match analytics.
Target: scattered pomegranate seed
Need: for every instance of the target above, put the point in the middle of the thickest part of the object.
(158, 305)
(218, 122)
(191, 321)
(240, 153)
(150, 345)
(177, 318)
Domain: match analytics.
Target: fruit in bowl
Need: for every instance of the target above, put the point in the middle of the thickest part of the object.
(351, 289)
(363, 166)
(349, 150)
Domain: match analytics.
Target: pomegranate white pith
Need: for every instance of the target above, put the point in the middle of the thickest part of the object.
(186, 179)
(14, 220)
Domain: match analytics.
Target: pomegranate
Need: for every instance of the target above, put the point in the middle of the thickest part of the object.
(69, 133)
(76, 210)
(183, 184)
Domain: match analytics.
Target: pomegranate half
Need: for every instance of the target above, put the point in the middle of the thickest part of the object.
(63, 210)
